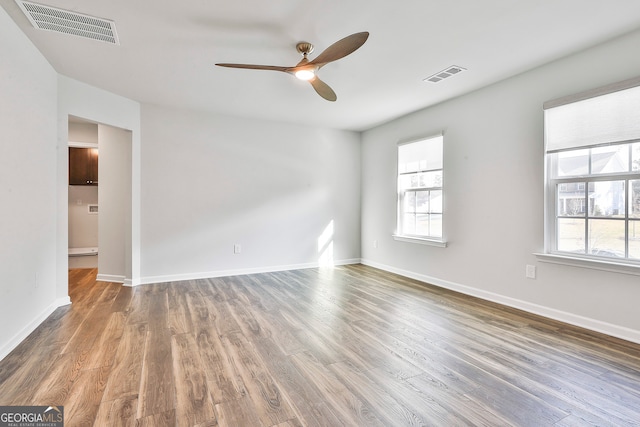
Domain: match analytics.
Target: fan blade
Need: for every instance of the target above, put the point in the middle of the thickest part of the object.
(341, 48)
(323, 89)
(258, 67)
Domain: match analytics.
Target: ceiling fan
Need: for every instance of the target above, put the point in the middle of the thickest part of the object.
(307, 70)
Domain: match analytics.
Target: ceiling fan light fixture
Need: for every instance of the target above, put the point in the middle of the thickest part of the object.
(306, 70)
(305, 74)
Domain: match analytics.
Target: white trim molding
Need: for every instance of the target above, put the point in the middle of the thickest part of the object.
(256, 270)
(81, 144)
(599, 264)
(617, 331)
(29, 328)
(111, 278)
(420, 240)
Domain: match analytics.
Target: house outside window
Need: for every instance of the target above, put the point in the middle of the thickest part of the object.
(592, 202)
(420, 190)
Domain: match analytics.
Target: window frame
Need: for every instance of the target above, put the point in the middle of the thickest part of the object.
(552, 184)
(426, 239)
(584, 183)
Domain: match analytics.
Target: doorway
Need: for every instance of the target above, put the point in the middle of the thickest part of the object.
(83, 194)
(100, 210)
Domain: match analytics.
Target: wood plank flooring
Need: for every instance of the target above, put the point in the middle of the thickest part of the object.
(350, 346)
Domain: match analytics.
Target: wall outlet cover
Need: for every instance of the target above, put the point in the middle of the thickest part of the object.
(530, 272)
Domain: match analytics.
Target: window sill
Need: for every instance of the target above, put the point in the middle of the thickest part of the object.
(593, 264)
(420, 240)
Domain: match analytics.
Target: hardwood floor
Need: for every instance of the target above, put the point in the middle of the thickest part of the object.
(346, 346)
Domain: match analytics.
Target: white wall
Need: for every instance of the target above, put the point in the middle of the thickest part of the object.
(114, 177)
(83, 226)
(494, 196)
(27, 186)
(211, 181)
(83, 132)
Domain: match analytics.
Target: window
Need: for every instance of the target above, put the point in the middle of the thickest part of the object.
(592, 202)
(420, 175)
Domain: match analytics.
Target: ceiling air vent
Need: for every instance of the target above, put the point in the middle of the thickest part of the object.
(68, 22)
(441, 75)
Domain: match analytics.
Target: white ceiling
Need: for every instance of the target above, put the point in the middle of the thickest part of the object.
(168, 50)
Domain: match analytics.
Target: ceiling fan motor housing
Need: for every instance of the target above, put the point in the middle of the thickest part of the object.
(304, 48)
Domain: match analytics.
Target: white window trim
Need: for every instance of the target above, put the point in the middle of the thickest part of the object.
(422, 240)
(441, 243)
(593, 264)
(564, 258)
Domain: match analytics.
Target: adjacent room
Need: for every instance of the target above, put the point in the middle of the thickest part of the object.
(321, 212)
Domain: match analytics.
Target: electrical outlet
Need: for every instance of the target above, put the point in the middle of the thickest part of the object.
(375, 244)
(530, 271)
(237, 248)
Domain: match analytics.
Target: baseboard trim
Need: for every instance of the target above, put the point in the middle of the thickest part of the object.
(24, 333)
(595, 325)
(239, 272)
(62, 301)
(110, 278)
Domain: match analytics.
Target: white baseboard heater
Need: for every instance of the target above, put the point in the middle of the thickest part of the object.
(83, 251)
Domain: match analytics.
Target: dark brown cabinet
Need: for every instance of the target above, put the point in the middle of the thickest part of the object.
(83, 166)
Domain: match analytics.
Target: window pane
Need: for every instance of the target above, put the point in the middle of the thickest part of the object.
(635, 156)
(409, 224)
(606, 238)
(436, 201)
(607, 199)
(436, 225)
(571, 235)
(409, 201)
(634, 198)
(420, 180)
(634, 239)
(572, 163)
(612, 159)
(431, 179)
(422, 201)
(570, 199)
(422, 225)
